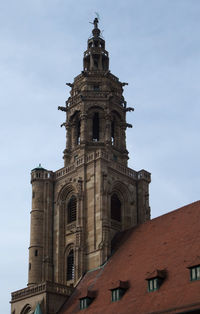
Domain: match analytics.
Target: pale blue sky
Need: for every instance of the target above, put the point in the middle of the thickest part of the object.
(154, 46)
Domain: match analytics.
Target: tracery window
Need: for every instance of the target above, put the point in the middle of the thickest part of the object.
(71, 209)
(70, 265)
(115, 207)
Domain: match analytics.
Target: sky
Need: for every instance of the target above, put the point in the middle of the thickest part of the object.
(153, 45)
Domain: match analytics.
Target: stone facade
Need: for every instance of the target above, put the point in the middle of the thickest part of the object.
(77, 210)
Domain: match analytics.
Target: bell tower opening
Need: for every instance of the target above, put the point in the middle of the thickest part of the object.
(95, 127)
(115, 207)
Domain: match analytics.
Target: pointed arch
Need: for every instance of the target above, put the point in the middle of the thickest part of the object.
(96, 123)
(26, 309)
(66, 191)
(119, 203)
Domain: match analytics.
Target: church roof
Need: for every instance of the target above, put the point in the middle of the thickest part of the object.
(165, 247)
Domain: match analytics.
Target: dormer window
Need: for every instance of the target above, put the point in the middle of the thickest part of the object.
(154, 284)
(155, 279)
(85, 302)
(118, 289)
(117, 294)
(86, 299)
(195, 273)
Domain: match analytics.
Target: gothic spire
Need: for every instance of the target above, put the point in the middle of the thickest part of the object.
(96, 57)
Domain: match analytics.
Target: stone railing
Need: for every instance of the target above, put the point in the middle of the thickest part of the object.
(140, 175)
(42, 288)
(41, 174)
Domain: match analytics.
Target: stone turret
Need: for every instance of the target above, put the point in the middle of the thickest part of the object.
(40, 250)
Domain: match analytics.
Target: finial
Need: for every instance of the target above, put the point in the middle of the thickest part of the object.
(96, 21)
(96, 31)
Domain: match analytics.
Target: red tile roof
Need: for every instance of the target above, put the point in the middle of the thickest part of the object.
(170, 242)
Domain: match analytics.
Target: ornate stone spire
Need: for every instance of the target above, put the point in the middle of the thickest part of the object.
(96, 57)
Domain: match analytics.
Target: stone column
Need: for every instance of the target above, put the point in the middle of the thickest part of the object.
(123, 136)
(68, 136)
(83, 131)
(74, 135)
(108, 128)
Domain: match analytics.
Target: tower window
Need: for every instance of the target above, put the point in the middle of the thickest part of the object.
(71, 209)
(96, 61)
(36, 252)
(115, 208)
(95, 131)
(70, 265)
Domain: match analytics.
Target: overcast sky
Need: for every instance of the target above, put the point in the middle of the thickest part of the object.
(154, 46)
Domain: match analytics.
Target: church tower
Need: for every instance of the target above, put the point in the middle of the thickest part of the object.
(77, 210)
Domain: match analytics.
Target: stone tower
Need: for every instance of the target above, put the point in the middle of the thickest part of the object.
(77, 210)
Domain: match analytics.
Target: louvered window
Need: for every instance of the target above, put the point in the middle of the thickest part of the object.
(70, 265)
(115, 208)
(71, 209)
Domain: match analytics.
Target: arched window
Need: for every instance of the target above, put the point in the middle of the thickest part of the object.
(95, 127)
(71, 209)
(70, 265)
(115, 207)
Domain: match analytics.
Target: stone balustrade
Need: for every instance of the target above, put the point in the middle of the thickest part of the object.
(40, 288)
(140, 175)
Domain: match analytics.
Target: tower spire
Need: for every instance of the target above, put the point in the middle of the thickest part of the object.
(96, 57)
